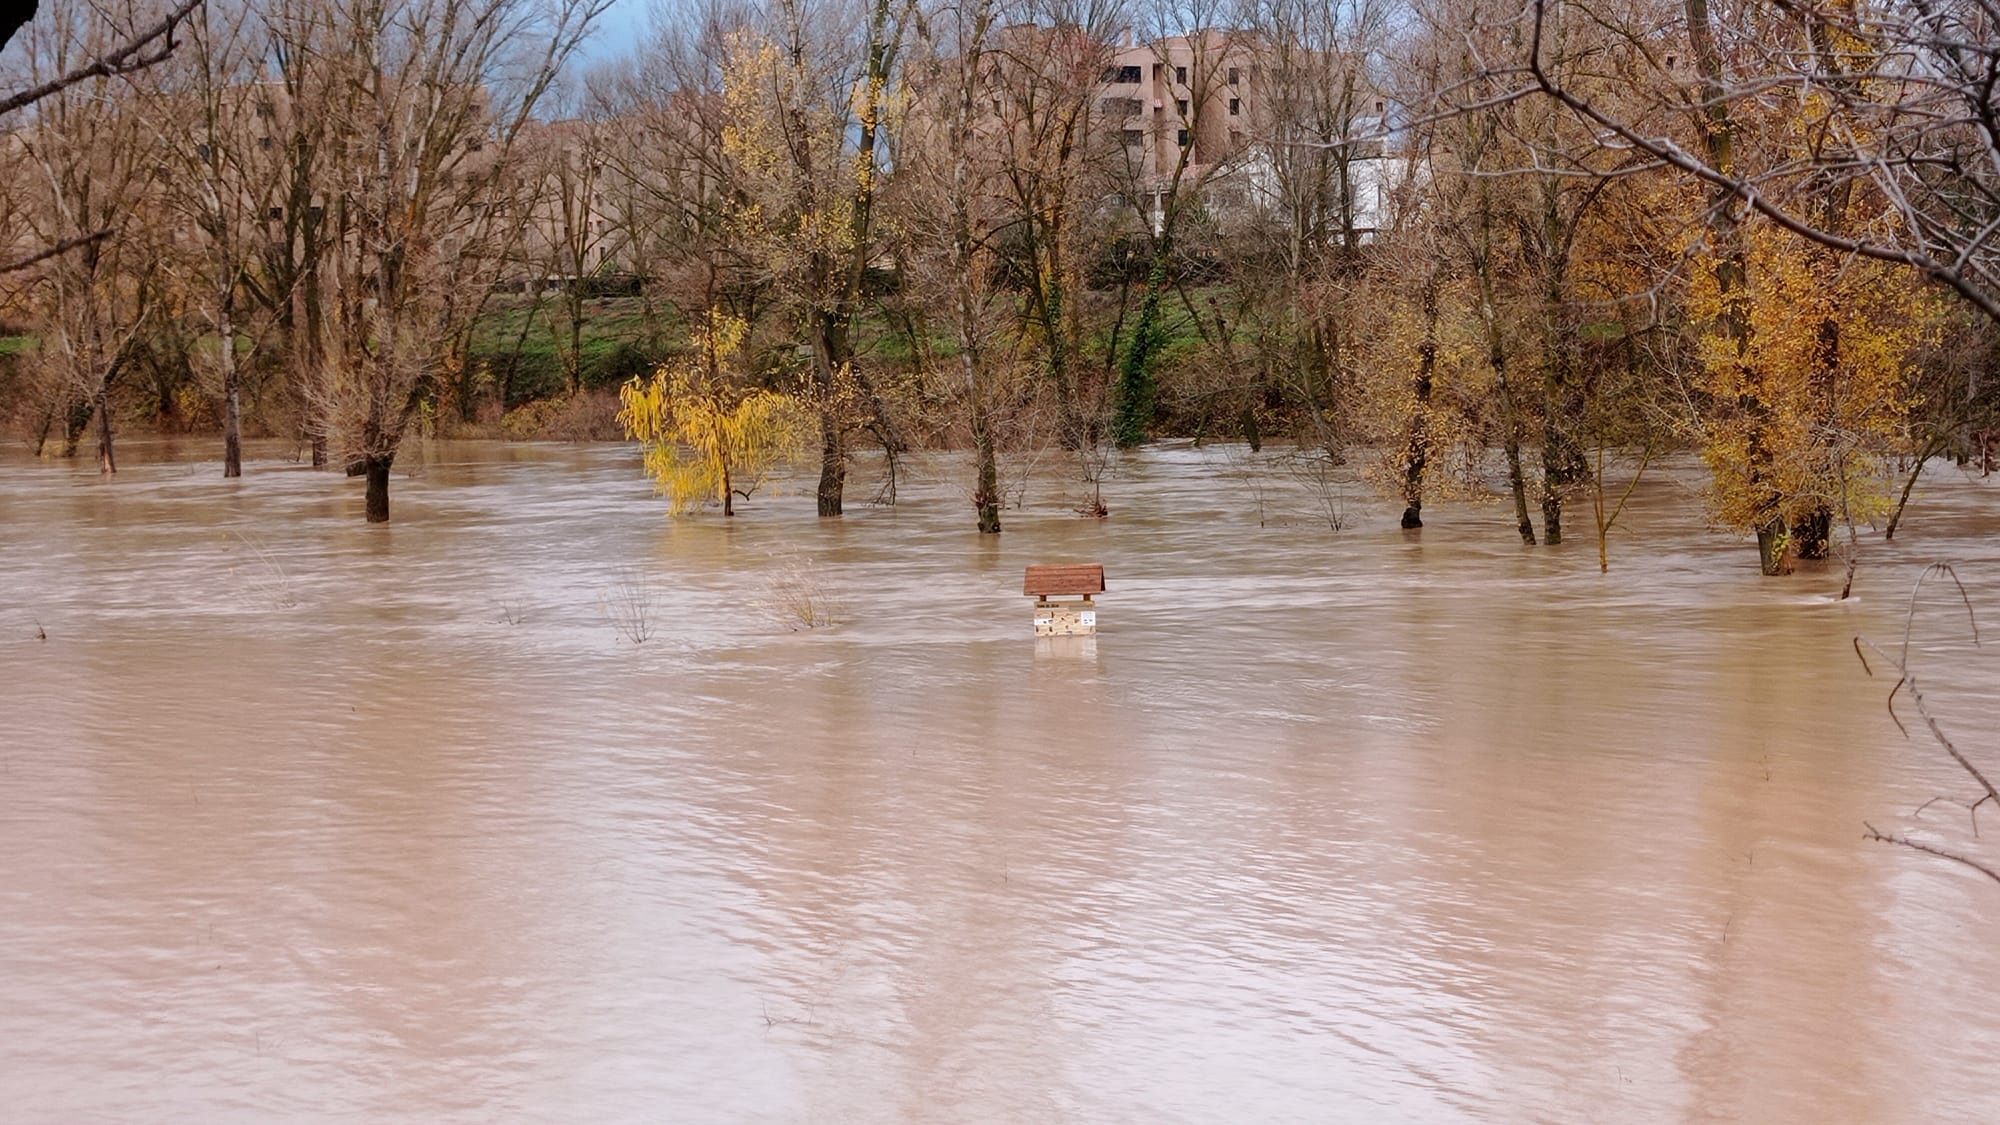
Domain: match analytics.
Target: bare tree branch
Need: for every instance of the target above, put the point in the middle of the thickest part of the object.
(135, 53)
(63, 247)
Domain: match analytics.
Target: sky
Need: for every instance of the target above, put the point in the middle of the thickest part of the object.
(621, 26)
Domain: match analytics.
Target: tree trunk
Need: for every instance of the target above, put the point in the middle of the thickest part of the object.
(1812, 536)
(1517, 482)
(232, 409)
(76, 423)
(107, 463)
(1510, 423)
(1772, 548)
(1136, 389)
(1417, 447)
(832, 464)
(377, 471)
(1562, 462)
(986, 499)
(1925, 453)
(575, 357)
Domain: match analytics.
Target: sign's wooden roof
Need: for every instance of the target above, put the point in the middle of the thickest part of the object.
(1068, 579)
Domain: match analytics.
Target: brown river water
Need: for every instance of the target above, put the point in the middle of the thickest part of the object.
(305, 820)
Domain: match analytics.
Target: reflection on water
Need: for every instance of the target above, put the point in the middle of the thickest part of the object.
(309, 820)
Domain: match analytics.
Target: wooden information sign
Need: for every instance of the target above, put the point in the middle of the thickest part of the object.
(1065, 618)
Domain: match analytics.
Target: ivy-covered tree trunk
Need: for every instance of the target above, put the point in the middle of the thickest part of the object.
(1138, 390)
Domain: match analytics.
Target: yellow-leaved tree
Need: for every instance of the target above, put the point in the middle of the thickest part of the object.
(707, 438)
(1809, 401)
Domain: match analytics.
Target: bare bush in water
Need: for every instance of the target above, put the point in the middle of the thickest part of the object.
(1317, 472)
(267, 581)
(628, 605)
(1246, 466)
(797, 595)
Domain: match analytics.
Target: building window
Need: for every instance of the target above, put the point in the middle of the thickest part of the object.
(1181, 138)
(277, 212)
(1180, 106)
(1233, 76)
(1235, 106)
(1122, 74)
(1180, 75)
(1133, 138)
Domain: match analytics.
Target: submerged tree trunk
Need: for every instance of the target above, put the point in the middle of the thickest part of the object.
(832, 464)
(1562, 462)
(1510, 424)
(1517, 482)
(987, 498)
(1924, 453)
(76, 423)
(1417, 447)
(232, 408)
(376, 469)
(107, 463)
(1812, 536)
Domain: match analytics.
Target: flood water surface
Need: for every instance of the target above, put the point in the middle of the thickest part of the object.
(307, 820)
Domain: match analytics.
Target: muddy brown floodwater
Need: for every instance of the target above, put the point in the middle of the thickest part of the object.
(305, 820)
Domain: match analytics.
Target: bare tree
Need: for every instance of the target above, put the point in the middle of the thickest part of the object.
(951, 197)
(427, 101)
(1056, 134)
(91, 193)
(216, 137)
(570, 237)
(670, 181)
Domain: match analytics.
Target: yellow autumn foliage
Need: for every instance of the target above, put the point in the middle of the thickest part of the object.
(706, 439)
(1805, 417)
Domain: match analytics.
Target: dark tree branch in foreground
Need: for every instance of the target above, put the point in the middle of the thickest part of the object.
(63, 247)
(1907, 682)
(142, 50)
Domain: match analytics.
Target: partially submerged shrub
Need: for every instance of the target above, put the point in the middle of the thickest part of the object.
(797, 595)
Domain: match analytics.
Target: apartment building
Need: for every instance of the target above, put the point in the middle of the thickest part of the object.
(1225, 110)
(1186, 97)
